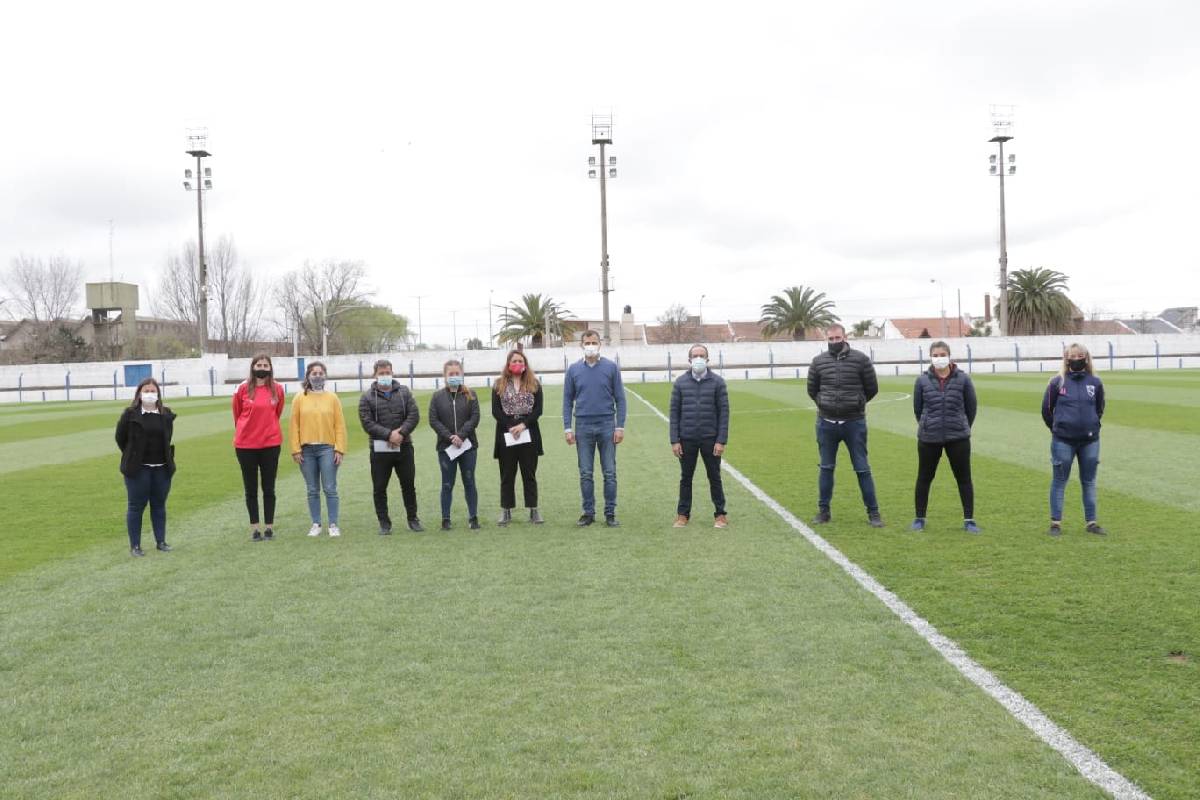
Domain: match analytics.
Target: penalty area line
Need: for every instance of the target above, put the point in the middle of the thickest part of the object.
(1087, 762)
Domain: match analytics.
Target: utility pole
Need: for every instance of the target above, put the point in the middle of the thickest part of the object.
(420, 334)
(198, 148)
(1002, 126)
(602, 135)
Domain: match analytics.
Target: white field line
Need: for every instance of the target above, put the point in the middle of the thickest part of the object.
(1090, 765)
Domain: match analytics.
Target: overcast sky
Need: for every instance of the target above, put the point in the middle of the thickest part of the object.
(760, 145)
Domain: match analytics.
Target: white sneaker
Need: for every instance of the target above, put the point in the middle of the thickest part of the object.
(315, 530)
(334, 532)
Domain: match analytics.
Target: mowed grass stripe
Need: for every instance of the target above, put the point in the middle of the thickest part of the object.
(529, 662)
(1083, 627)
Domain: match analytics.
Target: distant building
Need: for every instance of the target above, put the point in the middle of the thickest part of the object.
(925, 327)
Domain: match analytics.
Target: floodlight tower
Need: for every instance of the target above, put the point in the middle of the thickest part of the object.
(1002, 128)
(197, 144)
(602, 135)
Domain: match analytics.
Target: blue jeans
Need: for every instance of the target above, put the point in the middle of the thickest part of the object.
(150, 485)
(1062, 455)
(320, 473)
(465, 463)
(590, 435)
(854, 434)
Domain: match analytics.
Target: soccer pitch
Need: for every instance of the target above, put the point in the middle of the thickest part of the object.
(641, 662)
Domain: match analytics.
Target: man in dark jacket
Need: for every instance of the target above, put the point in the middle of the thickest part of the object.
(699, 427)
(841, 382)
(388, 414)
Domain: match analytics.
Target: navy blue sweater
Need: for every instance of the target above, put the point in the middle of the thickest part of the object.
(593, 392)
(1072, 408)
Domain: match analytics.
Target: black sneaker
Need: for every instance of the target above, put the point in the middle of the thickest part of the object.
(611, 521)
(163, 546)
(256, 536)
(136, 552)
(1094, 527)
(535, 517)
(473, 523)
(1055, 530)
(385, 527)
(445, 524)
(269, 535)
(505, 517)
(585, 520)
(874, 520)
(822, 517)
(415, 525)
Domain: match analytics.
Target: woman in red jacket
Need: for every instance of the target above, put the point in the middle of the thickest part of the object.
(257, 406)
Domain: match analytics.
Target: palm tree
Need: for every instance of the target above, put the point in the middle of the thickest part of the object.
(533, 317)
(862, 328)
(795, 311)
(1037, 302)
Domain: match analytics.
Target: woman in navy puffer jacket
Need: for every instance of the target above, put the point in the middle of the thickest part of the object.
(944, 402)
(1072, 408)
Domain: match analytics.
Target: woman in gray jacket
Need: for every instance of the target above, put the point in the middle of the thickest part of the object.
(454, 416)
(944, 402)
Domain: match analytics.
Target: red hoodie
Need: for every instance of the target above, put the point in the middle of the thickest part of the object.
(256, 422)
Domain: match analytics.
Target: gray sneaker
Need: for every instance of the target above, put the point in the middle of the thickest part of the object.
(535, 517)
(505, 517)
(822, 517)
(874, 520)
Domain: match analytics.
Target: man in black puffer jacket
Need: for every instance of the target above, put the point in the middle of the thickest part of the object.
(841, 382)
(699, 427)
(388, 414)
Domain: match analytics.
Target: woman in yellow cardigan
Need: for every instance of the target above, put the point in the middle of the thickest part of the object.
(318, 440)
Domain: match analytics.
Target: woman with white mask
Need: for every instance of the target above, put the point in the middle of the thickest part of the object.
(944, 403)
(147, 462)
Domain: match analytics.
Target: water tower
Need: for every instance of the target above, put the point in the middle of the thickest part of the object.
(114, 315)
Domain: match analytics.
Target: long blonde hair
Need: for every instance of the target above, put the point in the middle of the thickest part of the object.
(1065, 368)
(528, 382)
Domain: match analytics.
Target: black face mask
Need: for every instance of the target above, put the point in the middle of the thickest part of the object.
(262, 373)
(1077, 364)
(836, 347)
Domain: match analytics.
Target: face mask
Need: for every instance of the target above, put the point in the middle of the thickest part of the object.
(317, 383)
(836, 347)
(149, 398)
(940, 362)
(454, 381)
(262, 373)
(699, 364)
(1077, 364)
(591, 350)
(383, 380)
(516, 368)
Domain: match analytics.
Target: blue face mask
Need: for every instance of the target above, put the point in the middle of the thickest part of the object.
(454, 381)
(384, 380)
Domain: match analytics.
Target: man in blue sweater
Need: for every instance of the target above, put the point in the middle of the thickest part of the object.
(592, 390)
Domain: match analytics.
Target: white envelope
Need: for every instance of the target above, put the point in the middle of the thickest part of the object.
(522, 438)
(384, 446)
(454, 452)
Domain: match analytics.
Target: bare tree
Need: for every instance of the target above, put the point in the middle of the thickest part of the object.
(677, 325)
(313, 297)
(44, 290)
(236, 298)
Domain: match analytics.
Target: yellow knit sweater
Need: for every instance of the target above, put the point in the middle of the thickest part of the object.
(317, 419)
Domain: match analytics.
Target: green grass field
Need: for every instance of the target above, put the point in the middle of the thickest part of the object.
(643, 662)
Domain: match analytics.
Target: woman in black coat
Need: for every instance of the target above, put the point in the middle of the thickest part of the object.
(148, 463)
(944, 402)
(517, 405)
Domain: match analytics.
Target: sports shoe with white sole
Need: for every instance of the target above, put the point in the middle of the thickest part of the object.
(315, 530)
(334, 531)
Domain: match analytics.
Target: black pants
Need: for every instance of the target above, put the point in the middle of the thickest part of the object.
(252, 463)
(959, 455)
(524, 456)
(712, 466)
(404, 465)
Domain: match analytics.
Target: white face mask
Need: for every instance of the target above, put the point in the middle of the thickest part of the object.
(699, 364)
(940, 362)
(591, 350)
(149, 399)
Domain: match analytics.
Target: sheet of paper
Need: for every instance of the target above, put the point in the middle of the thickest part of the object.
(522, 438)
(384, 446)
(454, 452)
